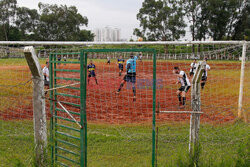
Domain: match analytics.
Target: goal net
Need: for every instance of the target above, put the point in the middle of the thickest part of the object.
(136, 114)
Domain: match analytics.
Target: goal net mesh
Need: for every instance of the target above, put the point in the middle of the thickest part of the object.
(119, 130)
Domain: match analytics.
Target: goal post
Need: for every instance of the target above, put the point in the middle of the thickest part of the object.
(94, 124)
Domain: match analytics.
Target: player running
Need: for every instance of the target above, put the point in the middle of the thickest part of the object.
(91, 68)
(193, 68)
(46, 75)
(131, 74)
(120, 62)
(185, 85)
(204, 75)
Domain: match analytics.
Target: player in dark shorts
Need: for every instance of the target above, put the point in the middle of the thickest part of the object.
(193, 68)
(131, 75)
(59, 57)
(185, 86)
(120, 62)
(204, 75)
(91, 69)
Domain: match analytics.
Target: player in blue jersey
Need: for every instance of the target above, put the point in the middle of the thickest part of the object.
(131, 74)
(91, 69)
(120, 62)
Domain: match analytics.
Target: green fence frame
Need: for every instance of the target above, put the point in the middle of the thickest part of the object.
(83, 92)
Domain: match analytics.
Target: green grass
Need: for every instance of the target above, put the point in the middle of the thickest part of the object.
(120, 145)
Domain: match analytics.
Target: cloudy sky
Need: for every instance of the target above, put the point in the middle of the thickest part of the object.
(100, 13)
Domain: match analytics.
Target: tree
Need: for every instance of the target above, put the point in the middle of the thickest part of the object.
(7, 14)
(242, 26)
(161, 20)
(60, 23)
(86, 35)
(27, 21)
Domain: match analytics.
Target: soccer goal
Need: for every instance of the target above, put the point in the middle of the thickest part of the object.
(132, 103)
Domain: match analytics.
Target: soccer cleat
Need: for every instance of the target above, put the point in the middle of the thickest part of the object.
(117, 92)
(182, 106)
(180, 103)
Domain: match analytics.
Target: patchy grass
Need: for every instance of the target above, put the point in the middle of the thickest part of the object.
(121, 145)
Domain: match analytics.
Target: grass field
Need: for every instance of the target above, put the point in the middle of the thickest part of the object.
(224, 142)
(222, 146)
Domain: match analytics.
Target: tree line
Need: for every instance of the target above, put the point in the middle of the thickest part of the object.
(168, 20)
(160, 20)
(50, 23)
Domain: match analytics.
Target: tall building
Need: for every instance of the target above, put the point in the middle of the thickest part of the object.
(107, 34)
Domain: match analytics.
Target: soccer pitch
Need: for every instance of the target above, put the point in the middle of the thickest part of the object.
(125, 139)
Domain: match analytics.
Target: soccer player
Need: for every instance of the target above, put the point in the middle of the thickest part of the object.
(59, 57)
(131, 75)
(193, 68)
(185, 85)
(120, 62)
(46, 75)
(204, 75)
(140, 56)
(91, 68)
(108, 58)
(65, 59)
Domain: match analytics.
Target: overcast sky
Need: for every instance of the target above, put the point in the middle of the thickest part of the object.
(100, 13)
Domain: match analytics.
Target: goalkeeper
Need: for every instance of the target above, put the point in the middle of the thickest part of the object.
(131, 75)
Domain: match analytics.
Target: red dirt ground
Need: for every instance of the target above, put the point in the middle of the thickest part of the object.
(105, 106)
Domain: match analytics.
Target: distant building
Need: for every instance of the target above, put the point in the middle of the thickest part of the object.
(107, 34)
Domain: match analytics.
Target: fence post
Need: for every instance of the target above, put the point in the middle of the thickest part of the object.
(243, 61)
(39, 115)
(196, 107)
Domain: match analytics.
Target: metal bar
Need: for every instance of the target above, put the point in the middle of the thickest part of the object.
(68, 87)
(67, 143)
(66, 62)
(120, 50)
(59, 87)
(71, 116)
(65, 119)
(69, 53)
(83, 133)
(72, 112)
(67, 70)
(182, 112)
(243, 61)
(154, 101)
(67, 127)
(117, 43)
(68, 159)
(67, 95)
(55, 98)
(71, 104)
(51, 109)
(68, 79)
(67, 135)
(68, 151)
(62, 164)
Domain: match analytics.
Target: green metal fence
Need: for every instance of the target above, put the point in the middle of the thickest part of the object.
(64, 131)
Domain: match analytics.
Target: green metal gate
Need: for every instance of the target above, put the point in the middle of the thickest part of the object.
(68, 117)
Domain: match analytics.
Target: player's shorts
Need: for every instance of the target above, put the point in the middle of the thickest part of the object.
(130, 77)
(46, 83)
(108, 62)
(121, 67)
(191, 73)
(204, 78)
(59, 59)
(184, 88)
(91, 74)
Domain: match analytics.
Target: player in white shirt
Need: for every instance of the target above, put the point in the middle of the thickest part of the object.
(193, 68)
(185, 85)
(140, 56)
(204, 75)
(46, 75)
